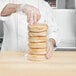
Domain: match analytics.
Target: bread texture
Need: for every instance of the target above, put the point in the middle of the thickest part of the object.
(43, 33)
(37, 42)
(38, 45)
(37, 51)
(36, 57)
(37, 39)
(38, 28)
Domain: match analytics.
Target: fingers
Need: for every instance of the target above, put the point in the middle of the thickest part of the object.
(36, 16)
(28, 17)
(49, 55)
(33, 16)
(49, 52)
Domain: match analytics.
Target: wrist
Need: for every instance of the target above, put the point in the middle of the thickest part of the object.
(20, 7)
(52, 42)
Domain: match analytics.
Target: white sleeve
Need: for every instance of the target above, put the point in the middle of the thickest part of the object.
(53, 29)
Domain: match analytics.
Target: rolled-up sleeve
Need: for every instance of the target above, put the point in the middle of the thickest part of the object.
(53, 28)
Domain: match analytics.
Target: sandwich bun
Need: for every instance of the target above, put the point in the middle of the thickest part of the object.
(37, 45)
(37, 39)
(37, 51)
(38, 27)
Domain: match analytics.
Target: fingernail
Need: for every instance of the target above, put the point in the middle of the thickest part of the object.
(47, 58)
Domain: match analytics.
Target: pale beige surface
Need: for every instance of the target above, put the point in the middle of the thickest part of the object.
(16, 64)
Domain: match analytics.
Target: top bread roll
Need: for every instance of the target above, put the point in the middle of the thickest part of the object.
(38, 27)
(44, 33)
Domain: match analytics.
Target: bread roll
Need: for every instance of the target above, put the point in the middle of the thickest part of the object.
(37, 51)
(37, 45)
(38, 39)
(37, 42)
(36, 57)
(44, 33)
(38, 28)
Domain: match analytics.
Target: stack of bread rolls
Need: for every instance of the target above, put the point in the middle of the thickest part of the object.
(37, 41)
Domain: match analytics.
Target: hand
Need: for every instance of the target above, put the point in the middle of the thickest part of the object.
(49, 50)
(33, 14)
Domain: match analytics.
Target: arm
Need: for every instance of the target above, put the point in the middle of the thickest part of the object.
(2, 5)
(9, 9)
(32, 13)
(53, 32)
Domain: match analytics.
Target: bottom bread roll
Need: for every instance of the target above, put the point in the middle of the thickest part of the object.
(36, 57)
(37, 51)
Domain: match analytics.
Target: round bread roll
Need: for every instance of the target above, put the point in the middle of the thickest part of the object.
(44, 33)
(38, 27)
(37, 51)
(36, 57)
(37, 45)
(38, 39)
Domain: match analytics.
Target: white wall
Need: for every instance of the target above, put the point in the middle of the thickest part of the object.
(75, 3)
(61, 4)
(66, 20)
(70, 4)
(65, 4)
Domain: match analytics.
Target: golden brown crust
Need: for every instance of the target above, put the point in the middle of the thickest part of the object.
(37, 51)
(36, 57)
(37, 42)
(37, 39)
(38, 27)
(37, 45)
(44, 33)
